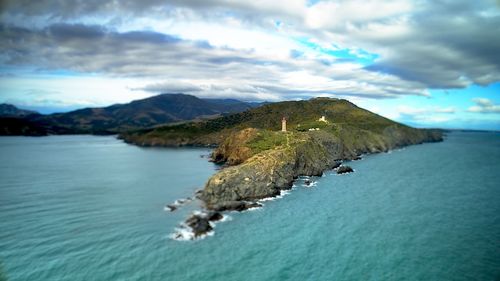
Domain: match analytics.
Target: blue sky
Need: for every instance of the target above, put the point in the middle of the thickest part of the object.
(424, 63)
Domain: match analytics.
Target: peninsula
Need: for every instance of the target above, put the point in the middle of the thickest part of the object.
(266, 148)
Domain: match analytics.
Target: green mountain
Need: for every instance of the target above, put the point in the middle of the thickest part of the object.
(15, 121)
(344, 120)
(263, 160)
(16, 126)
(9, 110)
(149, 112)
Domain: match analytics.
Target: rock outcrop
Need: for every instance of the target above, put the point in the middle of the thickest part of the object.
(260, 161)
(344, 170)
(266, 173)
(233, 150)
(199, 224)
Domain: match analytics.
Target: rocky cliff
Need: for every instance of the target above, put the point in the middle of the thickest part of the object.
(264, 173)
(261, 160)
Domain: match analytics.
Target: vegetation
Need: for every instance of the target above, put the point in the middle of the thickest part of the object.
(265, 140)
(145, 113)
(344, 120)
(265, 160)
(311, 125)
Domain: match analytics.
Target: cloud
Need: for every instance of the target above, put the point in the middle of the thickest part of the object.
(170, 87)
(484, 106)
(424, 115)
(416, 111)
(442, 44)
(238, 47)
(177, 65)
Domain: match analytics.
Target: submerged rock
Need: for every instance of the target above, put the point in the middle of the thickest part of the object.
(170, 208)
(307, 182)
(344, 169)
(178, 203)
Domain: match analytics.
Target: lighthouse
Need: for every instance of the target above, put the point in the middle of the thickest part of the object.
(283, 124)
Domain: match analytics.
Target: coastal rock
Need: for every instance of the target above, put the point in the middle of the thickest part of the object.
(214, 216)
(234, 206)
(336, 164)
(200, 225)
(198, 193)
(261, 161)
(233, 150)
(170, 207)
(178, 203)
(268, 173)
(344, 169)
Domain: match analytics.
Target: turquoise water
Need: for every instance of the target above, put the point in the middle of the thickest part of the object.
(91, 208)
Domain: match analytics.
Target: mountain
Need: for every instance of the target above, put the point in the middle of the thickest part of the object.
(262, 160)
(319, 132)
(153, 111)
(232, 105)
(15, 121)
(9, 110)
(345, 120)
(15, 126)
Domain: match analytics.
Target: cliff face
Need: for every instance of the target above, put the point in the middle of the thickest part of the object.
(234, 150)
(263, 174)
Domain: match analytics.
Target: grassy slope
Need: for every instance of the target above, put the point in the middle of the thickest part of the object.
(265, 160)
(346, 121)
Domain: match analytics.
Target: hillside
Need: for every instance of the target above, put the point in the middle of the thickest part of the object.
(345, 120)
(9, 110)
(149, 112)
(263, 160)
(15, 126)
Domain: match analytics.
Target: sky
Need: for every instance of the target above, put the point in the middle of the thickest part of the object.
(424, 63)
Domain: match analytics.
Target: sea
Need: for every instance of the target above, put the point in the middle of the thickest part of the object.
(93, 208)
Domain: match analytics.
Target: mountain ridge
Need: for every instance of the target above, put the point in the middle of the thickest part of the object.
(148, 112)
(9, 110)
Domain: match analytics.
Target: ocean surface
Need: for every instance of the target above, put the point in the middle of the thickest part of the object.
(92, 208)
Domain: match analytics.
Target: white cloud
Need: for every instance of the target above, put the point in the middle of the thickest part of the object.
(168, 64)
(415, 111)
(79, 91)
(242, 47)
(484, 105)
(335, 14)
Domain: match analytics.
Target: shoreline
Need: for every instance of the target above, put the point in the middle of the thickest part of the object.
(258, 203)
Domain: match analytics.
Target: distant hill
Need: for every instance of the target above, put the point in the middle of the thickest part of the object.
(9, 110)
(15, 126)
(232, 105)
(15, 121)
(144, 113)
